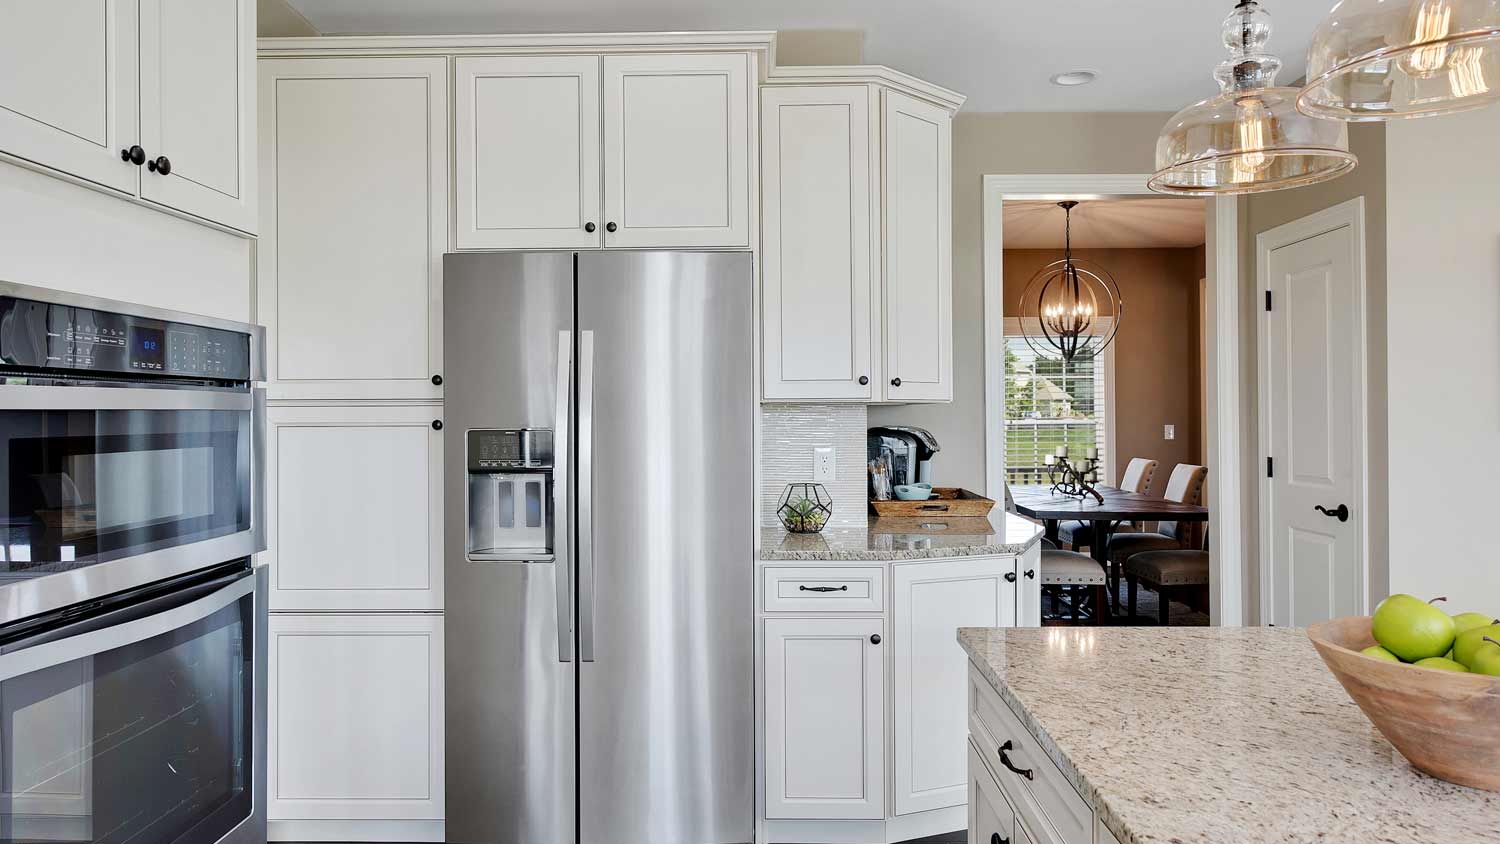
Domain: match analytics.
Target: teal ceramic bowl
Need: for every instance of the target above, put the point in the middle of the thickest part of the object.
(913, 492)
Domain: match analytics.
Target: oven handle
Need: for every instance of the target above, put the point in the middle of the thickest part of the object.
(52, 397)
(128, 626)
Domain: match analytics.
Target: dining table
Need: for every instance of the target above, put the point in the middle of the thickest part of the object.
(1050, 507)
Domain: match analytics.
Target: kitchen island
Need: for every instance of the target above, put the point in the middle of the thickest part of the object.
(1188, 735)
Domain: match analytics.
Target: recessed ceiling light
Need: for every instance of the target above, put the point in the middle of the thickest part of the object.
(1074, 78)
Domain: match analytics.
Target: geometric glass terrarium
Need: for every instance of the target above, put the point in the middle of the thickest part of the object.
(804, 508)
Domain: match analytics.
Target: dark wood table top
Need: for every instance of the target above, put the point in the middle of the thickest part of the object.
(1039, 502)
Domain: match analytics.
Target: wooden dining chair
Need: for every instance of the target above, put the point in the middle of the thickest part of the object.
(1185, 486)
(1137, 478)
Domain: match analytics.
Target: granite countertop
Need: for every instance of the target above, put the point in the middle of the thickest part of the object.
(1218, 735)
(885, 540)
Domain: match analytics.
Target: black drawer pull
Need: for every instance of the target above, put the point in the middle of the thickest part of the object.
(1005, 760)
(996, 839)
(844, 588)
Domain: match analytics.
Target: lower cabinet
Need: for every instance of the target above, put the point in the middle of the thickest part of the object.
(991, 820)
(355, 728)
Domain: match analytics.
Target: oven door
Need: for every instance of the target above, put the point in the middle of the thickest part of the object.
(103, 489)
(144, 723)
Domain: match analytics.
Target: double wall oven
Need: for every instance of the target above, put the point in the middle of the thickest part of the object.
(132, 620)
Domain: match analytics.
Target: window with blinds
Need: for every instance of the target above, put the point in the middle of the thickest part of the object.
(1049, 403)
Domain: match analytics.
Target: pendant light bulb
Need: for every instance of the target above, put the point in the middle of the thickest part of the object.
(1252, 127)
(1430, 23)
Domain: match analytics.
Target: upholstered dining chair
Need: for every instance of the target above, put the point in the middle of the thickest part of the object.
(1185, 486)
(1074, 575)
(1137, 478)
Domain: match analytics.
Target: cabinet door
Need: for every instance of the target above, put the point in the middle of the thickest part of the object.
(677, 150)
(825, 726)
(817, 289)
(355, 503)
(355, 724)
(354, 173)
(931, 601)
(197, 86)
(918, 245)
(528, 152)
(68, 87)
(1029, 588)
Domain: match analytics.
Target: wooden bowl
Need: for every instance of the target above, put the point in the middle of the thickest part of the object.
(1445, 723)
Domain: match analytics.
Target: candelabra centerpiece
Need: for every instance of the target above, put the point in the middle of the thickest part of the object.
(1074, 476)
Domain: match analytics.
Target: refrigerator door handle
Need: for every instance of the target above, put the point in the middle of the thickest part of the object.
(563, 565)
(586, 496)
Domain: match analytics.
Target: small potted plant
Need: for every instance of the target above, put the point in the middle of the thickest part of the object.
(804, 508)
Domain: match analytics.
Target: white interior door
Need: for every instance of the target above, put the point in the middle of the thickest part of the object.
(1312, 412)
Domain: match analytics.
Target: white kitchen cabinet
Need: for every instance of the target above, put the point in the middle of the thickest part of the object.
(528, 146)
(197, 86)
(991, 819)
(918, 246)
(825, 727)
(354, 504)
(677, 149)
(355, 731)
(818, 298)
(354, 213)
(68, 87)
(857, 284)
(1029, 588)
(929, 676)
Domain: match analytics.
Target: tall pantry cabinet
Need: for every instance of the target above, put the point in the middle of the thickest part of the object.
(378, 155)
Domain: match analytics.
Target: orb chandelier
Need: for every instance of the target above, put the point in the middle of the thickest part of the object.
(1250, 137)
(1383, 59)
(1065, 302)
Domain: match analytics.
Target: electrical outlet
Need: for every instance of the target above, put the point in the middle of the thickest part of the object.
(823, 465)
(1169, 432)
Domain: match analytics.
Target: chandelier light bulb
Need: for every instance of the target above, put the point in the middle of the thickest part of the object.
(1431, 22)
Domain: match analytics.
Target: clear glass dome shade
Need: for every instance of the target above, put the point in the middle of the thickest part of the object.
(1383, 59)
(1247, 141)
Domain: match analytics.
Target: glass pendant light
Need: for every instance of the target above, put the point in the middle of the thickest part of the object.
(1382, 59)
(1063, 301)
(1249, 138)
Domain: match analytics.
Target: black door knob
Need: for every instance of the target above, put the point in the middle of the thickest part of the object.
(609, 227)
(588, 227)
(1010, 577)
(437, 380)
(161, 164)
(1340, 512)
(437, 424)
(135, 155)
(875, 639)
(895, 382)
(863, 380)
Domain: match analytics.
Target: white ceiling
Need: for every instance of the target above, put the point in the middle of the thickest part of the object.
(1152, 55)
(1105, 224)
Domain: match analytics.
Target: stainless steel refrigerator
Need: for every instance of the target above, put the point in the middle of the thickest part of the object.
(599, 531)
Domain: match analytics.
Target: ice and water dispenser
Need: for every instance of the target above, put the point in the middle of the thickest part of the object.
(510, 494)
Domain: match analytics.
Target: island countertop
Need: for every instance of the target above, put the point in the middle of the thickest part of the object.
(884, 540)
(1218, 735)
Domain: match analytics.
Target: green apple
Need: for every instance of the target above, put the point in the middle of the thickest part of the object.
(1411, 628)
(1486, 658)
(1380, 653)
(1468, 642)
(1469, 620)
(1442, 664)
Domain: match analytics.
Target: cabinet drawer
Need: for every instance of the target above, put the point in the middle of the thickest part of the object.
(991, 819)
(1047, 803)
(851, 589)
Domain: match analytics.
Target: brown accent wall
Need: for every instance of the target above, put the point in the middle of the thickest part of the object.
(1158, 377)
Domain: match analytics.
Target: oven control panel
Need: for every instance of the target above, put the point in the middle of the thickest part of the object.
(50, 336)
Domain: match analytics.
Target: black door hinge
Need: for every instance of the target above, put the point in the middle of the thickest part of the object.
(1269, 472)
(1268, 300)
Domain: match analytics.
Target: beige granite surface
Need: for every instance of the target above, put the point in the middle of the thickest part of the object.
(905, 539)
(1218, 735)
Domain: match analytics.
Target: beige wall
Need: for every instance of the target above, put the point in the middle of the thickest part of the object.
(1006, 144)
(1156, 351)
(1260, 213)
(820, 46)
(277, 19)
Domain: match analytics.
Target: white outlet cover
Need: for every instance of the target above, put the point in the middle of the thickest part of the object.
(823, 465)
(1169, 432)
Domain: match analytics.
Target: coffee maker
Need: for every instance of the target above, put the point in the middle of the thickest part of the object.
(906, 450)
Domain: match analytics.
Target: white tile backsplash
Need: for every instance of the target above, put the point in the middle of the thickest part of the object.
(790, 432)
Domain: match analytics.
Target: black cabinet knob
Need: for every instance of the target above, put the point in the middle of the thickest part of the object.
(875, 639)
(161, 164)
(895, 382)
(1030, 574)
(135, 155)
(588, 227)
(437, 380)
(863, 380)
(609, 227)
(1010, 577)
(437, 424)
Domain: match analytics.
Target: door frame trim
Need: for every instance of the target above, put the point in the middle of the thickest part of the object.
(1349, 213)
(1222, 397)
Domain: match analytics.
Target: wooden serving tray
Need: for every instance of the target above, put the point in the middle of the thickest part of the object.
(946, 501)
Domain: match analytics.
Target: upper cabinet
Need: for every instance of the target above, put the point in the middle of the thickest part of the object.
(150, 98)
(647, 150)
(856, 239)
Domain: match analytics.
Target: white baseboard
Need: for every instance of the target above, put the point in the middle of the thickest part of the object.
(900, 828)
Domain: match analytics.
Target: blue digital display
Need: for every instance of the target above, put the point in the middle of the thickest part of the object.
(146, 347)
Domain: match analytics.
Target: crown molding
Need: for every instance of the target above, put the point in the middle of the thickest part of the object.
(867, 74)
(763, 42)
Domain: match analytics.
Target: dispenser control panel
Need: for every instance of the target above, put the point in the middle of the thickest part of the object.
(509, 450)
